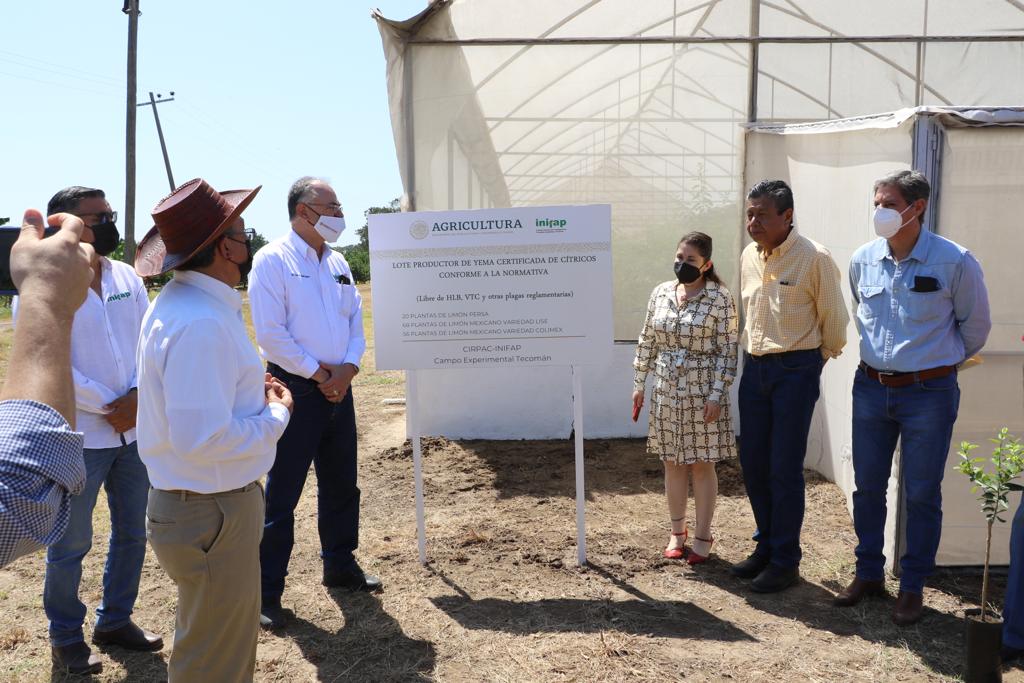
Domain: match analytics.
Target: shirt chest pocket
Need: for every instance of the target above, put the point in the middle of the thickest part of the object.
(872, 303)
(346, 297)
(787, 299)
(922, 306)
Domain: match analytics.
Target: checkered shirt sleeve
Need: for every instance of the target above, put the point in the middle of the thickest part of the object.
(41, 467)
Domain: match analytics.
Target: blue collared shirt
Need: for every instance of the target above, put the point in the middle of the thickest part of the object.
(929, 310)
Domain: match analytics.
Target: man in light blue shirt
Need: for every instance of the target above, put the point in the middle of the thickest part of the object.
(921, 309)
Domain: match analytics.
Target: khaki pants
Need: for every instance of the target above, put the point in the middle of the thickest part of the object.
(209, 545)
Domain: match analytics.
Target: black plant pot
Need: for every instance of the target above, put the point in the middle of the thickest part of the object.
(983, 640)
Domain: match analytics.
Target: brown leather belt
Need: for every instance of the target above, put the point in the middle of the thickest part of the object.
(905, 379)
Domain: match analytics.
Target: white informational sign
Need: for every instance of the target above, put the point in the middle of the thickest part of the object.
(492, 287)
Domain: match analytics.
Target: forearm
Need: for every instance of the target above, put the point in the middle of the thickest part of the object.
(643, 362)
(195, 430)
(339, 377)
(40, 363)
(725, 371)
(280, 348)
(91, 396)
(348, 371)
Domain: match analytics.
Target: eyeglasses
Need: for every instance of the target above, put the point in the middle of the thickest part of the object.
(102, 217)
(248, 233)
(333, 206)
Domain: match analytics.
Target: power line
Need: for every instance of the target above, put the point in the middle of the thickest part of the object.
(74, 72)
(59, 85)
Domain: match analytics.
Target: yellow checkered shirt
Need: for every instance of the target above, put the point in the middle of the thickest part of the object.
(792, 299)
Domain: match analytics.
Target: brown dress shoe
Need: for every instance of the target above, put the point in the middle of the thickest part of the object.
(909, 608)
(858, 590)
(76, 659)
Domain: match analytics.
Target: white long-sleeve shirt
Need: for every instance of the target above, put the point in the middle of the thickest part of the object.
(204, 421)
(103, 340)
(305, 310)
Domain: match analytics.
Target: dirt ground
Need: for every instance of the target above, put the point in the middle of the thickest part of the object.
(502, 598)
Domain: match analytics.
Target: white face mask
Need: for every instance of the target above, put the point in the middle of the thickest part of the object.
(888, 222)
(330, 227)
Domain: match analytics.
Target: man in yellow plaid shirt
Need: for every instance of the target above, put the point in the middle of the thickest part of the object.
(795, 320)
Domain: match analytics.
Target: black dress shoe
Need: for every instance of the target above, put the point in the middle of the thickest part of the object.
(750, 567)
(75, 658)
(774, 579)
(355, 580)
(130, 637)
(858, 590)
(272, 615)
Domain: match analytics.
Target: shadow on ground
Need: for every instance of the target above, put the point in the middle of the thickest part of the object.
(371, 646)
(640, 615)
(811, 604)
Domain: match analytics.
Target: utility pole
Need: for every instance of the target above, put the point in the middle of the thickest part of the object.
(160, 132)
(131, 8)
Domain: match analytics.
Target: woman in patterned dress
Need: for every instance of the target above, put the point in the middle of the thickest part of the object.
(689, 340)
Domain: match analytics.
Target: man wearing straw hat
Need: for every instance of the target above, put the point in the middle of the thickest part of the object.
(209, 419)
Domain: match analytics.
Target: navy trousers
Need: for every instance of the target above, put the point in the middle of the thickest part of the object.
(776, 400)
(323, 434)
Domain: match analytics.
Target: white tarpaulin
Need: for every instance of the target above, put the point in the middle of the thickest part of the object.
(642, 105)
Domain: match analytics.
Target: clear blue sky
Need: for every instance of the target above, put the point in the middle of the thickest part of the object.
(265, 92)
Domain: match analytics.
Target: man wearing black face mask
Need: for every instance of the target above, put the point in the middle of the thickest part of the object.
(103, 340)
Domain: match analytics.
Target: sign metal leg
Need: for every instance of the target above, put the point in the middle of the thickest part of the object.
(577, 422)
(413, 427)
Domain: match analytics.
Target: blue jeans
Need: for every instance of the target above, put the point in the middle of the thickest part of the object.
(122, 474)
(921, 416)
(324, 434)
(1013, 604)
(776, 400)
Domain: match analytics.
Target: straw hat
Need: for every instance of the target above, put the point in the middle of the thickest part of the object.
(187, 221)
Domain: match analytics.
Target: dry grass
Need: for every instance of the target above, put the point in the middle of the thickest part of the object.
(502, 598)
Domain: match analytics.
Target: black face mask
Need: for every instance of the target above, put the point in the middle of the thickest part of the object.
(105, 238)
(687, 273)
(245, 266)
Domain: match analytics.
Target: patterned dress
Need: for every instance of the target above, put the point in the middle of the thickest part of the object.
(692, 351)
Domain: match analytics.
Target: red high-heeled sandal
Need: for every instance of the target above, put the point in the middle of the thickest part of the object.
(693, 557)
(678, 553)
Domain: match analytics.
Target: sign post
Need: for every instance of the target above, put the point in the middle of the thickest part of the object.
(492, 288)
(413, 427)
(577, 421)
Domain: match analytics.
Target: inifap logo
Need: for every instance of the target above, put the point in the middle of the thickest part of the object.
(550, 224)
(419, 229)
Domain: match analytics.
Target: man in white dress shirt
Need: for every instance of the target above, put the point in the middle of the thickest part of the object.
(308, 318)
(208, 421)
(103, 339)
